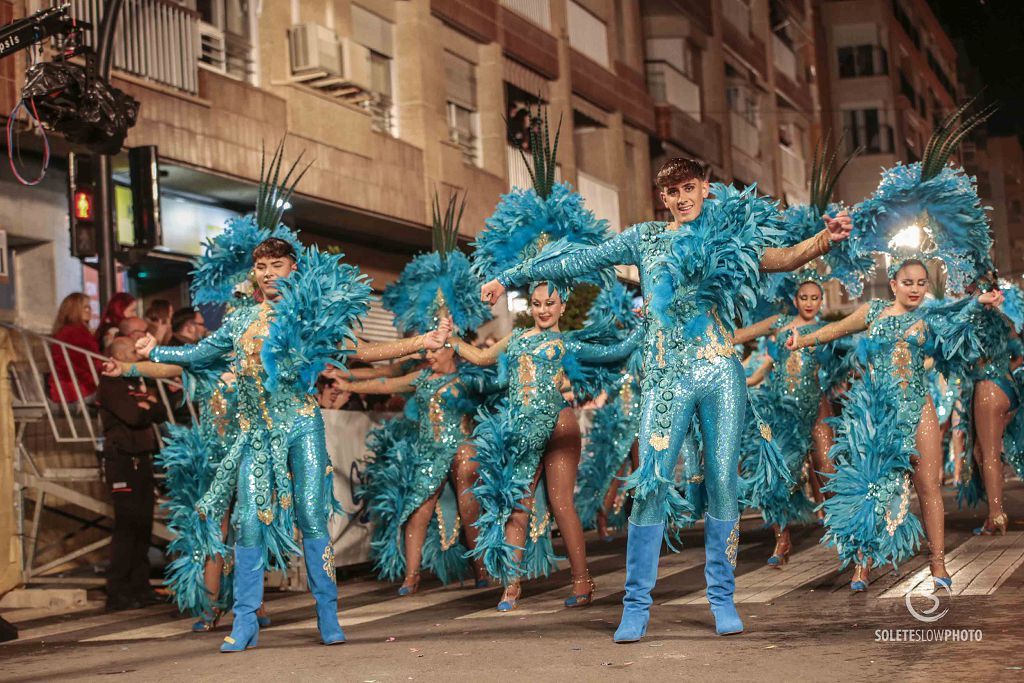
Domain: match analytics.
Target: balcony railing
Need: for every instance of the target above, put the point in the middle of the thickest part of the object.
(224, 52)
(794, 167)
(155, 39)
(785, 59)
(745, 136)
(737, 13)
(537, 11)
(668, 85)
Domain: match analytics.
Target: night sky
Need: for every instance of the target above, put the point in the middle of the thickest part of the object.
(991, 32)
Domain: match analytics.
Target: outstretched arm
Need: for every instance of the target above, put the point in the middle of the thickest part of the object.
(619, 250)
(217, 345)
(480, 356)
(790, 258)
(755, 331)
(384, 385)
(601, 354)
(851, 324)
(116, 368)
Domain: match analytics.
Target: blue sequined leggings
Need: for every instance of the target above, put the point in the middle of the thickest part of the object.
(307, 461)
(717, 391)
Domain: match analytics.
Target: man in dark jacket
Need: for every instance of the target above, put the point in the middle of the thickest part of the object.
(128, 414)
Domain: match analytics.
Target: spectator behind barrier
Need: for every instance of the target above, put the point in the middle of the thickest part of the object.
(122, 305)
(72, 327)
(133, 328)
(128, 414)
(158, 320)
(187, 327)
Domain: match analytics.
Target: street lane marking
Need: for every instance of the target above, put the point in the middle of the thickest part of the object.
(98, 621)
(979, 566)
(767, 583)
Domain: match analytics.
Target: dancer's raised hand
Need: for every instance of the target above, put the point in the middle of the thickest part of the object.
(491, 292)
(839, 227)
(434, 340)
(145, 345)
(791, 343)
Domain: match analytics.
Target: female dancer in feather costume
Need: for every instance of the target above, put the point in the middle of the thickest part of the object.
(868, 517)
(791, 401)
(533, 433)
(412, 481)
(695, 272)
(993, 397)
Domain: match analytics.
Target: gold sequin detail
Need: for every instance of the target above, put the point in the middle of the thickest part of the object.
(660, 343)
(219, 411)
(266, 516)
(732, 545)
(286, 502)
(308, 407)
(659, 442)
(901, 360)
(328, 558)
(446, 542)
(539, 527)
(229, 565)
(627, 395)
(328, 470)
(436, 416)
(766, 431)
(542, 241)
(718, 347)
(893, 523)
(794, 366)
(527, 377)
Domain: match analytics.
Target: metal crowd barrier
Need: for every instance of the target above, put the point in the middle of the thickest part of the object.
(74, 431)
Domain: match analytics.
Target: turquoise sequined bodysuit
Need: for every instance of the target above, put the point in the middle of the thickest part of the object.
(688, 277)
(511, 442)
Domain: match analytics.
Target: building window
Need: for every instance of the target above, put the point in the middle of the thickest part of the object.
(375, 33)
(588, 34)
(862, 60)
(463, 121)
(743, 102)
(907, 23)
(865, 128)
(225, 34)
(537, 11)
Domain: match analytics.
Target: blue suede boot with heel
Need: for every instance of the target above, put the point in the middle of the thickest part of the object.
(721, 543)
(643, 549)
(248, 586)
(319, 556)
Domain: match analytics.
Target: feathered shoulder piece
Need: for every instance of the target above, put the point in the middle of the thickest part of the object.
(441, 282)
(614, 306)
(932, 207)
(527, 219)
(320, 304)
(227, 258)
(715, 263)
(1013, 304)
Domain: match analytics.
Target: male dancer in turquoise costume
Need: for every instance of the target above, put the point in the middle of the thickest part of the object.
(696, 273)
(279, 465)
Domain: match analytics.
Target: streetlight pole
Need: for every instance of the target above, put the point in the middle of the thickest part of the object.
(101, 163)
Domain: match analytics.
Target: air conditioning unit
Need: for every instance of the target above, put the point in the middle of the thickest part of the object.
(313, 47)
(355, 62)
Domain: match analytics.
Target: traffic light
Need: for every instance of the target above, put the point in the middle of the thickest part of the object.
(82, 209)
(145, 173)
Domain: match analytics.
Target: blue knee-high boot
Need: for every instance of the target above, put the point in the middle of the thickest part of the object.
(248, 586)
(721, 541)
(643, 549)
(319, 556)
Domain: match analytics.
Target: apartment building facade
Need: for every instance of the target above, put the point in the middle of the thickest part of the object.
(998, 164)
(733, 84)
(391, 99)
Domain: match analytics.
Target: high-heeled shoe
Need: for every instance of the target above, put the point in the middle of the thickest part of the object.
(410, 588)
(207, 623)
(510, 598)
(780, 556)
(859, 584)
(942, 582)
(482, 583)
(643, 550)
(248, 586)
(993, 525)
(319, 557)
(581, 599)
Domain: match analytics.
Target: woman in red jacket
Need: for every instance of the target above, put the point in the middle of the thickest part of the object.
(72, 371)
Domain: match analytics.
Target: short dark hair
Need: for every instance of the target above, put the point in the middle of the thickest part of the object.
(182, 317)
(274, 247)
(680, 169)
